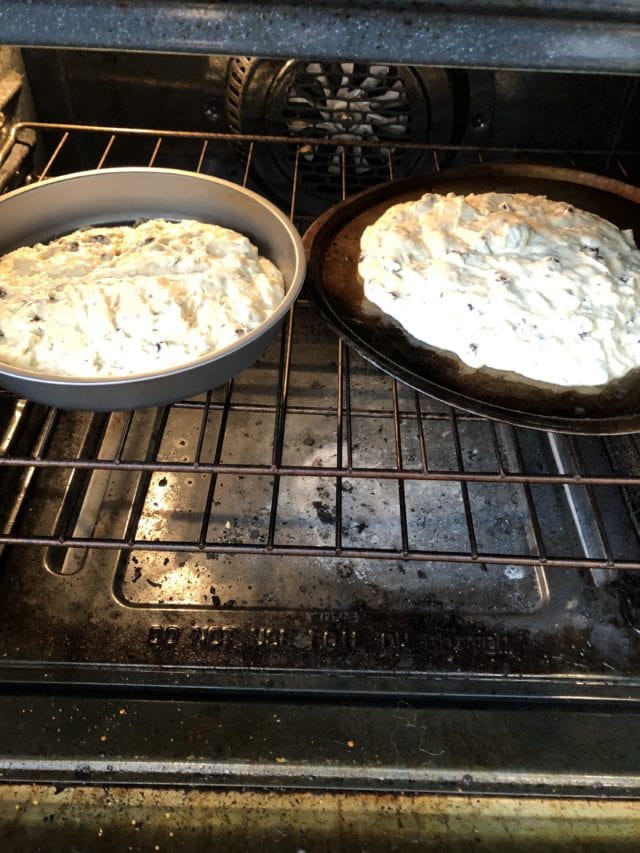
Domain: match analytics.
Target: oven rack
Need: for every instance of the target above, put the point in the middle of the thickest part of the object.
(594, 481)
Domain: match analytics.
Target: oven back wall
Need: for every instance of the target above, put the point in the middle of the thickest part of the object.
(519, 108)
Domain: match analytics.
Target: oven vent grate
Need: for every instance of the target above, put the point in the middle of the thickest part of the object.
(336, 102)
(348, 101)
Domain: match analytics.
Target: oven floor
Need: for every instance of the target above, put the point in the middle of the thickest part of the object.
(183, 606)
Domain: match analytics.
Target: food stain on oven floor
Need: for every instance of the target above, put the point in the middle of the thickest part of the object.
(253, 605)
(306, 508)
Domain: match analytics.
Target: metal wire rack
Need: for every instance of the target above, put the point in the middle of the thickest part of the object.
(423, 443)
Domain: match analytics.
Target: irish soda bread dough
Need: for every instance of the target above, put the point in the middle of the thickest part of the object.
(120, 300)
(514, 282)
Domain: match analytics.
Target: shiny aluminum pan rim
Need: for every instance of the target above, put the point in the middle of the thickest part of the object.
(292, 288)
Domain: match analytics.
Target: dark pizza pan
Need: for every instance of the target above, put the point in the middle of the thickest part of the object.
(58, 206)
(333, 246)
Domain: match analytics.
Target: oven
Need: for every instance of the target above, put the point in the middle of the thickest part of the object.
(315, 606)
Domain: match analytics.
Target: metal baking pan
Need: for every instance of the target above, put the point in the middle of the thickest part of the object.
(333, 246)
(54, 207)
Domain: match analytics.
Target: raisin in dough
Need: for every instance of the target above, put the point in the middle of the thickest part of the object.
(513, 282)
(121, 300)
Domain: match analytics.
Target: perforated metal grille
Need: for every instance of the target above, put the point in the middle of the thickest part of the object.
(352, 102)
(363, 110)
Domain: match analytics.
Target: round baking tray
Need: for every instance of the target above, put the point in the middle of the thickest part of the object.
(58, 206)
(333, 246)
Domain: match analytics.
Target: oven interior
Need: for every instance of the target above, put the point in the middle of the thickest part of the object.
(314, 576)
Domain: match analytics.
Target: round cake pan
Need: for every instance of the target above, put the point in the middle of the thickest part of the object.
(43, 211)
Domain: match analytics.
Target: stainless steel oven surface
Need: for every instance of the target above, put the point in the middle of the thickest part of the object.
(313, 598)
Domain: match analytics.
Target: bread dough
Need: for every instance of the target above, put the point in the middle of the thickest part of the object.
(116, 301)
(513, 282)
